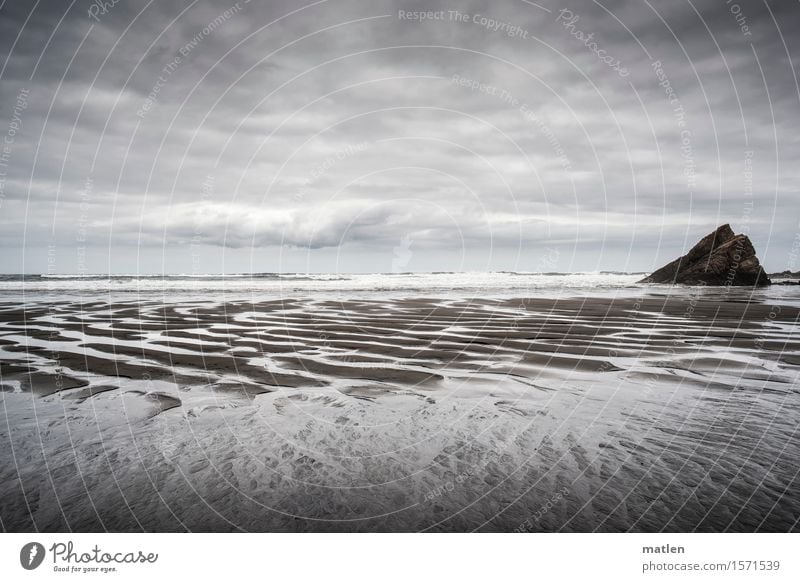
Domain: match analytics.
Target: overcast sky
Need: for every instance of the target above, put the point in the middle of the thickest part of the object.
(192, 136)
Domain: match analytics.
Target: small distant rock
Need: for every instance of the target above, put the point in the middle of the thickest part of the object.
(721, 258)
(786, 275)
(785, 278)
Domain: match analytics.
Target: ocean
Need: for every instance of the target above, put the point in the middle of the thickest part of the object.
(271, 284)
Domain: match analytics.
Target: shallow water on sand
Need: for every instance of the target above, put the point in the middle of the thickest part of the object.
(650, 411)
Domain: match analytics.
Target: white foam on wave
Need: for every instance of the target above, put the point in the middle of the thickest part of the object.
(324, 282)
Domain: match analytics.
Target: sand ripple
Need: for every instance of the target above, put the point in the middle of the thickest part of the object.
(647, 414)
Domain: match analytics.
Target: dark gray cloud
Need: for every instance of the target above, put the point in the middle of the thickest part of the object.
(282, 135)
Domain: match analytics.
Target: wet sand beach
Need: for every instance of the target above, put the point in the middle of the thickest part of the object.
(651, 412)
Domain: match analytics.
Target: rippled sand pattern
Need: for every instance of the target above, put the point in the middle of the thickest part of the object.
(642, 414)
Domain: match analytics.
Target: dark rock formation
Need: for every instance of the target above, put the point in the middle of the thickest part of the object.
(786, 275)
(720, 258)
(785, 278)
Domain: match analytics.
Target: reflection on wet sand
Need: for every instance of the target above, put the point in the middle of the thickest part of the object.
(649, 413)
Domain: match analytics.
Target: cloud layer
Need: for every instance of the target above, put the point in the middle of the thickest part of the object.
(474, 135)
